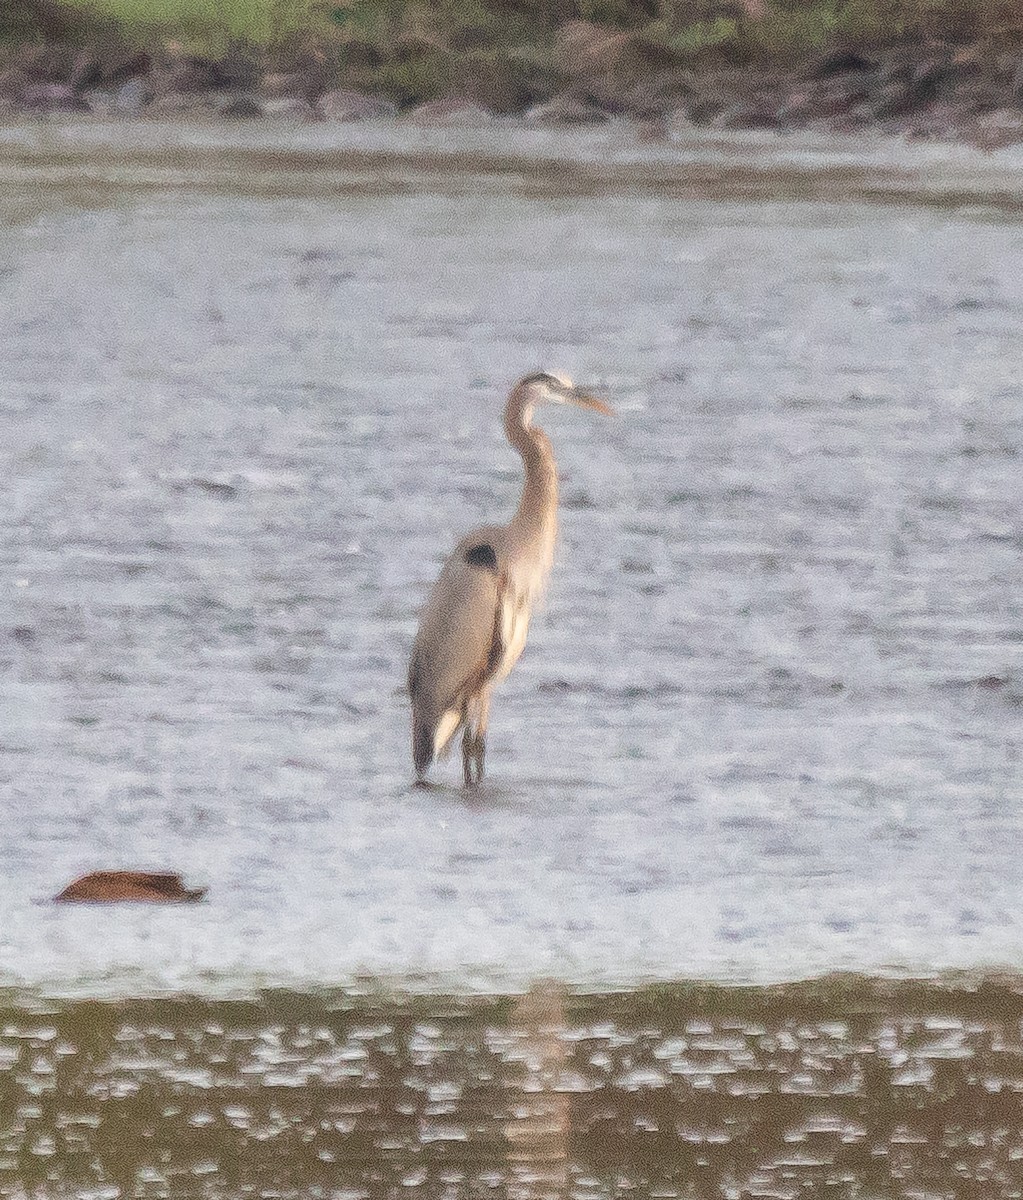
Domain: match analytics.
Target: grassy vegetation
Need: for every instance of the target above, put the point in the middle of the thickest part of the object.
(212, 23)
(419, 44)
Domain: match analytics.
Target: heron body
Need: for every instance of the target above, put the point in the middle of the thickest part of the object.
(474, 625)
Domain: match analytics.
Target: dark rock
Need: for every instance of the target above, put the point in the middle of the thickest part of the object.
(83, 70)
(566, 110)
(237, 70)
(106, 887)
(13, 82)
(185, 75)
(43, 64)
(358, 57)
(121, 69)
(656, 95)
(453, 110)
(465, 39)
(706, 108)
(839, 62)
(753, 113)
(195, 73)
(503, 82)
(106, 68)
(240, 106)
(52, 97)
(1016, 88)
(653, 130)
(305, 71)
(86, 72)
(967, 70)
(906, 85)
(411, 47)
(346, 104)
(930, 71)
(834, 96)
(898, 98)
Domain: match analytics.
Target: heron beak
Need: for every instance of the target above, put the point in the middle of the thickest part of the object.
(586, 399)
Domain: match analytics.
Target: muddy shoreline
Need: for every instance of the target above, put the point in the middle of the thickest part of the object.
(917, 89)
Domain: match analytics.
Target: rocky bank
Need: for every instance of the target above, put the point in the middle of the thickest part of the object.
(920, 88)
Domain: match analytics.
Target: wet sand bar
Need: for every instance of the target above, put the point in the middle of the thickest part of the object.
(843, 1088)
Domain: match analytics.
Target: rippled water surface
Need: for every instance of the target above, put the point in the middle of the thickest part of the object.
(769, 722)
(840, 1090)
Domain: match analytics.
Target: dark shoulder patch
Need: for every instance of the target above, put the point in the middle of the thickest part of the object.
(482, 556)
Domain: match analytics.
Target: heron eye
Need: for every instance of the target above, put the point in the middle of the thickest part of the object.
(482, 556)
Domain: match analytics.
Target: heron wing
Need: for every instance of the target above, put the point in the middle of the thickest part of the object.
(459, 644)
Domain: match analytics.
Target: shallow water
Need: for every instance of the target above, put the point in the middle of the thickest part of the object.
(838, 1090)
(768, 724)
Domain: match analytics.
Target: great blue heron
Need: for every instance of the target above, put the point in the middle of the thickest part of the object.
(473, 627)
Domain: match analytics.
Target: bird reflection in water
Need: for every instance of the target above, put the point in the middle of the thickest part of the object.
(538, 1128)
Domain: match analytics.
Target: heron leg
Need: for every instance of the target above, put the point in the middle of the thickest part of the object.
(474, 740)
(478, 724)
(468, 757)
(474, 750)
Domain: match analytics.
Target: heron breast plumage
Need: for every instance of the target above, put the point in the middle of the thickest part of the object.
(514, 627)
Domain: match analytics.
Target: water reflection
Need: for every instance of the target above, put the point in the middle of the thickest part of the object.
(835, 1089)
(538, 1129)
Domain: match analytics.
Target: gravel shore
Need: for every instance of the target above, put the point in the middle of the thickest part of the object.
(921, 89)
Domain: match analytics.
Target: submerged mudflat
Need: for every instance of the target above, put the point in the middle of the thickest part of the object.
(92, 162)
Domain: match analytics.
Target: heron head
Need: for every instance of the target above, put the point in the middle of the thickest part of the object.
(548, 388)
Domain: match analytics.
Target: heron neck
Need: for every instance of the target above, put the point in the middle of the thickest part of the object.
(536, 520)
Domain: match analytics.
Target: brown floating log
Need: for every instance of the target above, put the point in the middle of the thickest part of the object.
(106, 887)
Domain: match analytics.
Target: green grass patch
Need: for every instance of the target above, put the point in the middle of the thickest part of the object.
(790, 29)
(269, 22)
(697, 29)
(213, 24)
(704, 35)
(248, 20)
